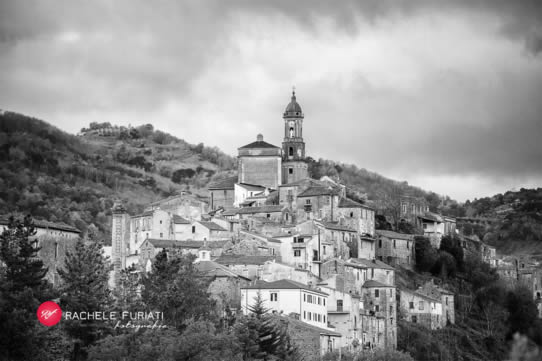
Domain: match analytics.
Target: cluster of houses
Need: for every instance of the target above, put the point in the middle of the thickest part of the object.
(308, 251)
(312, 255)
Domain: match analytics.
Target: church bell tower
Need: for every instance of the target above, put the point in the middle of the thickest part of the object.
(294, 166)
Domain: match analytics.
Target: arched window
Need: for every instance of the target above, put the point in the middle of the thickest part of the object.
(291, 151)
(291, 132)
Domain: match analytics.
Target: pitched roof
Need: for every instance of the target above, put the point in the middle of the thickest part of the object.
(375, 284)
(348, 203)
(233, 259)
(392, 234)
(172, 243)
(282, 285)
(4, 220)
(180, 220)
(431, 217)
(261, 209)
(370, 263)
(320, 330)
(318, 191)
(210, 268)
(251, 187)
(227, 183)
(259, 144)
(337, 227)
(211, 225)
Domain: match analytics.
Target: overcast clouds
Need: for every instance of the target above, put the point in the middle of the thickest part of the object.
(447, 97)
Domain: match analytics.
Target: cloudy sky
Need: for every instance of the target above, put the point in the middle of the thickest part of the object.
(445, 96)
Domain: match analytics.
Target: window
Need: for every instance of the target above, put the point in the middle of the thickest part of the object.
(291, 133)
(290, 170)
(274, 297)
(339, 305)
(304, 297)
(193, 229)
(161, 235)
(297, 253)
(377, 293)
(407, 245)
(268, 215)
(411, 305)
(160, 221)
(425, 226)
(324, 318)
(421, 305)
(391, 310)
(310, 316)
(379, 243)
(291, 151)
(351, 214)
(377, 308)
(56, 250)
(414, 319)
(446, 301)
(304, 315)
(394, 244)
(324, 303)
(308, 201)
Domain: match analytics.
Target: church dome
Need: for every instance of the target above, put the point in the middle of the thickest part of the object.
(293, 108)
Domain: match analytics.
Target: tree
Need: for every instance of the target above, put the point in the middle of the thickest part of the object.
(85, 287)
(176, 288)
(390, 203)
(22, 289)
(264, 336)
(426, 255)
(451, 244)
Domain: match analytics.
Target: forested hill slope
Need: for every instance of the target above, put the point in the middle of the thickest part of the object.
(57, 176)
(516, 216)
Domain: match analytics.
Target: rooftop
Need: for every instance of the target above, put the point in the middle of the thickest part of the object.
(261, 209)
(210, 268)
(315, 191)
(348, 203)
(394, 235)
(180, 220)
(375, 284)
(259, 144)
(282, 285)
(4, 220)
(336, 226)
(370, 263)
(234, 259)
(211, 226)
(227, 183)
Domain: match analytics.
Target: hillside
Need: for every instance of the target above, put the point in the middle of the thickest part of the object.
(517, 221)
(54, 175)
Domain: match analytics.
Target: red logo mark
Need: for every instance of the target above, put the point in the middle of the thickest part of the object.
(49, 313)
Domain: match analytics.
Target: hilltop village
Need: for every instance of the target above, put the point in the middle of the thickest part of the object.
(313, 255)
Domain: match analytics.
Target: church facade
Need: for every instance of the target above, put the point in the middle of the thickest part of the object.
(264, 164)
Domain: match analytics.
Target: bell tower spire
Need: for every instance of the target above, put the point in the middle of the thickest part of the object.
(294, 166)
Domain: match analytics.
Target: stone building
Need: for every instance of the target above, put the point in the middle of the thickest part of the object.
(379, 300)
(259, 163)
(225, 285)
(412, 207)
(313, 341)
(221, 193)
(395, 248)
(417, 307)
(360, 217)
(54, 239)
(446, 297)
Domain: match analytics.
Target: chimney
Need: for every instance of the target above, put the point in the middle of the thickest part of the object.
(259, 138)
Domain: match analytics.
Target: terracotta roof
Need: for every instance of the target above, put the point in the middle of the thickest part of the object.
(180, 220)
(210, 268)
(144, 214)
(370, 263)
(318, 191)
(282, 285)
(394, 235)
(348, 203)
(227, 183)
(374, 284)
(337, 226)
(172, 243)
(211, 225)
(232, 259)
(4, 220)
(259, 144)
(431, 217)
(321, 331)
(262, 209)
